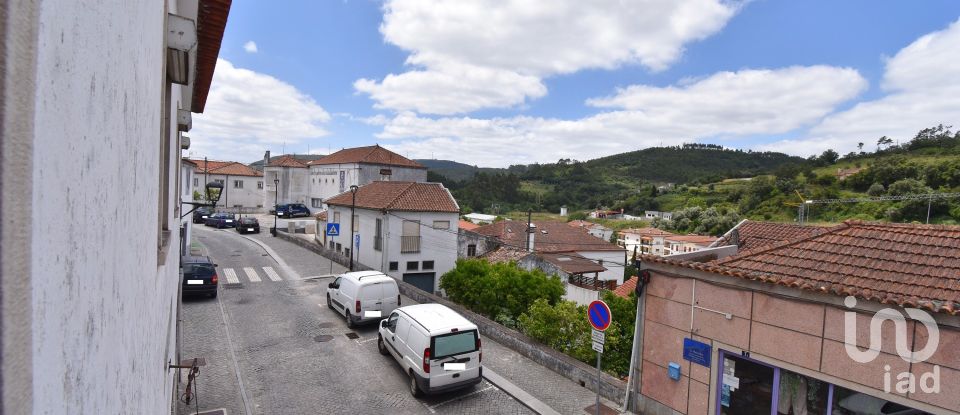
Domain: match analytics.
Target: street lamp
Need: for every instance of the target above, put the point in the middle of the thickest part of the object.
(213, 191)
(276, 202)
(353, 204)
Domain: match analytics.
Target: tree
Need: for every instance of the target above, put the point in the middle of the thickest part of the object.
(860, 147)
(876, 189)
(884, 141)
(829, 157)
(499, 289)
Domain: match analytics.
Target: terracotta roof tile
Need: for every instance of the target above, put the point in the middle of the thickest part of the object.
(368, 155)
(572, 263)
(903, 264)
(406, 196)
(628, 287)
(646, 232)
(505, 254)
(694, 239)
(467, 225)
(753, 234)
(550, 237)
(287, 161)
(231, 168)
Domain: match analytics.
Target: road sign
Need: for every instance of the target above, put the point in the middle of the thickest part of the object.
(598, 336)
(333, 229)
(357, 240)
(598, 347)
(599, 315)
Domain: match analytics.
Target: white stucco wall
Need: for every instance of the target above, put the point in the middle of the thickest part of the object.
(103, 309)
(580, 295)
(248, 197)
(436, 245)
(324, 181)
(294, 185)
(614, 261)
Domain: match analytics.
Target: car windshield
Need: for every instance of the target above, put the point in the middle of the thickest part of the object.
(455, 343)
(198, 270)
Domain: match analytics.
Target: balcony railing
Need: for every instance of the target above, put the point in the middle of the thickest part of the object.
(378, 243)
(592, 283)
(409, 244)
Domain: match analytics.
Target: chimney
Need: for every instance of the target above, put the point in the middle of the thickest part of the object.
(531, 233)
(266, 158)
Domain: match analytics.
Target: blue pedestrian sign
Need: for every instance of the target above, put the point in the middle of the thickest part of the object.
(333, 229)
(599, 315)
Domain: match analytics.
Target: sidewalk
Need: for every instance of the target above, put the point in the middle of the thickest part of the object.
(557, 392)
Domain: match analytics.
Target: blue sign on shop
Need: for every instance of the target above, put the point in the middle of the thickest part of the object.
(697, 352)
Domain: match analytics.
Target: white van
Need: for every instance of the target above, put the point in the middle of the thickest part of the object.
(363, 296)
(437, 348)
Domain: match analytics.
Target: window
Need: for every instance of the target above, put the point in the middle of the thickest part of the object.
(471, 250)
(331, 245)
(378, 235)
(336, 217)
(356, 224)
(441, 224)
(316, 202)
(410, 238)
(394, 265)
(346, 251)
(196, 182)
(427, 265)
(339, 247)
(412, 265)
(238, 184)
(260, 185)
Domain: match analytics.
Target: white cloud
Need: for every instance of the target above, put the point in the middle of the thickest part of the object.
(248, 112)
(494, 54)
(723, 105)
(922, 81)
(250, 46)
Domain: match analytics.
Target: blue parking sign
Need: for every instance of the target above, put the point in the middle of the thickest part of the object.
(333, 229)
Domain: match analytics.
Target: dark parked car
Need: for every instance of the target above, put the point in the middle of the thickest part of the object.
(292, 210)
(201, 214)
(248, 224)
(222, 220)
(199, 275)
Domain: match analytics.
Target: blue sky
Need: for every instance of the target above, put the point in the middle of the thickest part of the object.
(495, 83)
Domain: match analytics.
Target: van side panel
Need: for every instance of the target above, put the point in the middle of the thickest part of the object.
(390, 295)
(403, 328)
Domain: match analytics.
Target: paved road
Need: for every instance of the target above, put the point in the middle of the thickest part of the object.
(293, 354)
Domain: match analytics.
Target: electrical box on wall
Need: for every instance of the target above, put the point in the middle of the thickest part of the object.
(673, 369)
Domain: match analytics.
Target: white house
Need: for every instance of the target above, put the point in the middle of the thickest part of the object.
(359, 166)
(97, 100)
(558, 237)
(288, 176)
(407, 230)
(243, 186)
(480, 218)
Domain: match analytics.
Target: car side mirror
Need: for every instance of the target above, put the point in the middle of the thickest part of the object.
(330, 285)
(383, 323)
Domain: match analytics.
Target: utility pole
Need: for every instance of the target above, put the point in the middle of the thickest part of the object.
(353, 204)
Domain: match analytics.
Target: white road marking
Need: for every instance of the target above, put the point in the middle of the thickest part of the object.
(431, 408)
(251, 274)
(272, 274)
(231, 276)
(364, 341)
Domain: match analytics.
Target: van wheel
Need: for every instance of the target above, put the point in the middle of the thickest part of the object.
(382, 347)
(350, 324)
(329, 304)
(414, 388)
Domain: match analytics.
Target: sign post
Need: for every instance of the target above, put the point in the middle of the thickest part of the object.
(600, 318)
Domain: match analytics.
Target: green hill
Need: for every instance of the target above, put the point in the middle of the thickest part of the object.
(455, 171)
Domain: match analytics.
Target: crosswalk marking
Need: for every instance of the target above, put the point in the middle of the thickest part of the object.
(231, 276)
(251, 274)
(272, 274)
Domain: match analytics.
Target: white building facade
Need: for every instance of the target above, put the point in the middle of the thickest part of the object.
(405, 230)
(286, 181)
(90, 255)
(359, 166)
(243, 187)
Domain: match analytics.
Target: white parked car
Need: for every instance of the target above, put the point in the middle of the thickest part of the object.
(363, 296)
(437, 348)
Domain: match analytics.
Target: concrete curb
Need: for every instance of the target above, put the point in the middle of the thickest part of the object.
(520, 395)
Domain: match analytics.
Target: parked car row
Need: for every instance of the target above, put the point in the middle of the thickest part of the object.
(292, 210)
(220, 220)
(437, 348)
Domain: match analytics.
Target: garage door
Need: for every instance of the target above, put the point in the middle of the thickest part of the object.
(421, 280)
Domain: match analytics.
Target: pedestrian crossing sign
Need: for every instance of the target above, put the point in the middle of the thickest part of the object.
(333, 229)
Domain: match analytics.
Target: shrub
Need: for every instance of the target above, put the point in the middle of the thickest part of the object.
(500, 291)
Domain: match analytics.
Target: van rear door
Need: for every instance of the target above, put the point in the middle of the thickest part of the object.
(371, 298)
(450, 351)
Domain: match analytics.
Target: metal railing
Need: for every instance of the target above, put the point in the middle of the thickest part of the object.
(591, 283)
(409, 244)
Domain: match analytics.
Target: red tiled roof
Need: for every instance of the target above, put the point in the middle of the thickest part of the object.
(572, 263)
(693, 239)
(407, 196)
(231, 168)
(907, 265)
(189, 162)
(550, 237)
(505, 254)
(368, 155)
(467, 225)
(753, 234)
(287, 161)
(646, 232)
(211, 21)
(625, 289)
